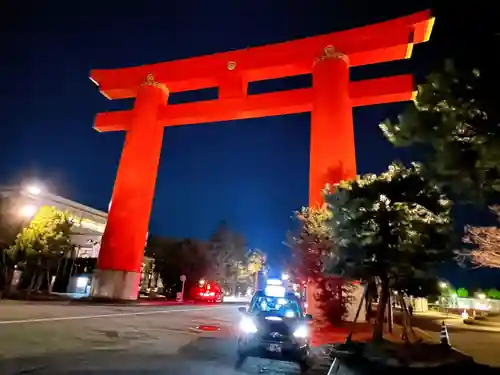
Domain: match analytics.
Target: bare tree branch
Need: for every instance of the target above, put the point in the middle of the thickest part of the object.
(487, 244)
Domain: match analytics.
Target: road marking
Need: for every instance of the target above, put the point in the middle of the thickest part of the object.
(228, 320)
(81, 317)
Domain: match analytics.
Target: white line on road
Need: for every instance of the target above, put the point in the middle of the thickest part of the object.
(55, 319)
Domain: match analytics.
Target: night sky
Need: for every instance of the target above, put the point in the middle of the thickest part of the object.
(252, 173)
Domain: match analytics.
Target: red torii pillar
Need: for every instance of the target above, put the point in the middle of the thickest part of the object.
(123, 241)
(332, 150)
(330, 101)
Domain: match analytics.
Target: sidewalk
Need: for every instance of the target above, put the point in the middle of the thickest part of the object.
(424, 351)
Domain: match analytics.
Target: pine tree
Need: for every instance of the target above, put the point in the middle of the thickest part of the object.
(455, 121)
(394, 227)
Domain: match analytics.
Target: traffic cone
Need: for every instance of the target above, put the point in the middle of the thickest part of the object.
(443, 335)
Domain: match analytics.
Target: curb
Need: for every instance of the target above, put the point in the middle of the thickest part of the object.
(395, 363)
(321, 360)
(422, 332)
(111, 302)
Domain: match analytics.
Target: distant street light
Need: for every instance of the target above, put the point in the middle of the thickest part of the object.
(443, 285)
(28, 211)
(34, 189)
(284, 277)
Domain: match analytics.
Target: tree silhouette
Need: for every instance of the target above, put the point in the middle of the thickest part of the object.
(394, 227)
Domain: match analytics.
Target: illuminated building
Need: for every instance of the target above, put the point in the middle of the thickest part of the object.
(88, 223)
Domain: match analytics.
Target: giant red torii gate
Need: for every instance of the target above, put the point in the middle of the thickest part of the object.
(330, 101)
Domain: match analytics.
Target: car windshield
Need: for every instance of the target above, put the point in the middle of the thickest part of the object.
(284, 307)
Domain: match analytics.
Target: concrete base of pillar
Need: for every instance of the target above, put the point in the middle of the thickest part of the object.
(116, 285)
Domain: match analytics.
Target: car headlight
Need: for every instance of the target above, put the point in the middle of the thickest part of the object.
(302, 332)
(248, 326)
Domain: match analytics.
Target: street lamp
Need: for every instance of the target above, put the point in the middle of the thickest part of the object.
(28, 211)
(444, 290)
(34, 189)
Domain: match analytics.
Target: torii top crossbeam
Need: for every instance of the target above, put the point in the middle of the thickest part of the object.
(377, 43)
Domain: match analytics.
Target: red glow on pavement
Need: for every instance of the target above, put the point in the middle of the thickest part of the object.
(327, 334)
(208, 328)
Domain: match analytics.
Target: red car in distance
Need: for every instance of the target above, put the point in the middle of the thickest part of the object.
(207, 291)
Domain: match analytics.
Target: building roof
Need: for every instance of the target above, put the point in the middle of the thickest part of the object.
(87, 219)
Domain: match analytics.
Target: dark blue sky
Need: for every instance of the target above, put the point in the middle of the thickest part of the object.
(251, 173)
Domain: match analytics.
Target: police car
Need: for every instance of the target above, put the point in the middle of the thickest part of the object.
(274, 326)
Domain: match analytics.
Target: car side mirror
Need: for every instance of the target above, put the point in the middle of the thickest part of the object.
(308, 317)
(242, 309)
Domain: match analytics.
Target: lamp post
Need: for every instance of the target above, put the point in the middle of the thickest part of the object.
(443, 300)
(27, 211)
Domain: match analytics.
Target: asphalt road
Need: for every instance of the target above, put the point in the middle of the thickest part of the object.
(482, 344)
(56, 338)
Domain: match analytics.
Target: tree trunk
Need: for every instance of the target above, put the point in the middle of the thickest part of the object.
(32, 281)
(39, 279)
(405, 336)
(407, 319)
(49, 281)
(5, 274)
(235, 285)
(363, 301)
(8, 281)
(378, 329)
(389, 313)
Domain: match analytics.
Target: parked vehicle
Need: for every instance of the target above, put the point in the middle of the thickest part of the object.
(207, 291)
